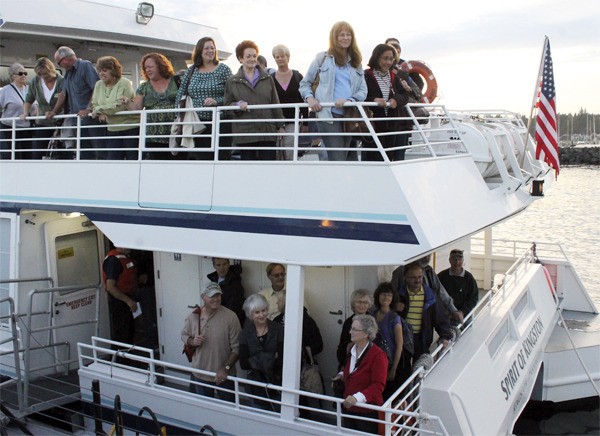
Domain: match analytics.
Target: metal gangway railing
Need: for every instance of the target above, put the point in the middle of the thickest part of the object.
(408, 396)
(38, 336)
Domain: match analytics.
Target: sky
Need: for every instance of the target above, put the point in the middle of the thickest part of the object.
(484, 54)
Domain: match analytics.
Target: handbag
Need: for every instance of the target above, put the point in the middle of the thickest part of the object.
(190, 350)
(186, 124)
(315, 84)
(420, 113)
(356, 126)
(310, 376)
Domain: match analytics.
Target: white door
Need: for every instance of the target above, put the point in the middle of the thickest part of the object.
(73, 255)
(325, 297)
(178, 282)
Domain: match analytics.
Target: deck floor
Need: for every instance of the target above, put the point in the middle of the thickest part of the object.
(44, 393)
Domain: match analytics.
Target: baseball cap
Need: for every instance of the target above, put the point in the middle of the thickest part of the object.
(211, 290)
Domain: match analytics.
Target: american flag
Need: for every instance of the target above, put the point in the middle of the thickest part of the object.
(546, 132)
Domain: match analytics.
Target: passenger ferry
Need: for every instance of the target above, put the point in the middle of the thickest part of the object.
(337, 226)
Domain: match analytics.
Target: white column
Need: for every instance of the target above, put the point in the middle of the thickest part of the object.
(294, 303)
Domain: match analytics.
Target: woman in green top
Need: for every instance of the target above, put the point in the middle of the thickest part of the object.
(107, 100)
(159, 91)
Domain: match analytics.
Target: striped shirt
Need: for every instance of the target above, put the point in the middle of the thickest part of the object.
(415, 309)
(384, 80)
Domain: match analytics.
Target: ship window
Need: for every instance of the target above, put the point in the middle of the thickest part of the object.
(521, 305)
(499, 338)
(77, 259)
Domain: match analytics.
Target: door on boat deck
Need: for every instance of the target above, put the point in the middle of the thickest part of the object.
(179, 278)
(179, 185)
(325, 298)
(74, 249)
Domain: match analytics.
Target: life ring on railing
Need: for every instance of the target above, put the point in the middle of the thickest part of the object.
(423, 70)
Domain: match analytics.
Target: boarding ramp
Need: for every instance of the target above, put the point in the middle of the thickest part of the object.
(42, 374)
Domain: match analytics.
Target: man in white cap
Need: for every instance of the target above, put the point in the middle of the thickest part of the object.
(213, 331)
(460, 283)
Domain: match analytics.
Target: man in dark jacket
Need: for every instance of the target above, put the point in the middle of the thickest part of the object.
(230, 280)
(422, 311)
(460, 283)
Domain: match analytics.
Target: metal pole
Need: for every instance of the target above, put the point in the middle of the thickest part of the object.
(97, 407)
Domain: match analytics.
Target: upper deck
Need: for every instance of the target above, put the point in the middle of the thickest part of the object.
(461, 174)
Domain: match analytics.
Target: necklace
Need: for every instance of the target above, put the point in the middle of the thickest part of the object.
(264, 331)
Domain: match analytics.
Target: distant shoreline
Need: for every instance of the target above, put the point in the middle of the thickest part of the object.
(580, 155)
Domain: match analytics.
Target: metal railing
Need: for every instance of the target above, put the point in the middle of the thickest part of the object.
(306, 138)
(99, 358)
(60, 365)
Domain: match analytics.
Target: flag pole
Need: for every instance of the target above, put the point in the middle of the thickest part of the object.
(536, 91)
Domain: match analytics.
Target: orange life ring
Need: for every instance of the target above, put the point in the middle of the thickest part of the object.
(422, 69)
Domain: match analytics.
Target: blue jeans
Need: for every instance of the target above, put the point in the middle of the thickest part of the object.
(336, 141)
(125, 139)
(210, 392)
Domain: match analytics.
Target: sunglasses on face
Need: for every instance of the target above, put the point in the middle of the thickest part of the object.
(21, 73)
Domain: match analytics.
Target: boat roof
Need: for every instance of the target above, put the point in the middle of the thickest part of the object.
(28, 20)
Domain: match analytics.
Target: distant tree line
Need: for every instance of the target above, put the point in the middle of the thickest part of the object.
(574, 127)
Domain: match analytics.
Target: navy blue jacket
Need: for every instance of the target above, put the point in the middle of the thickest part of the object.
(433, 317)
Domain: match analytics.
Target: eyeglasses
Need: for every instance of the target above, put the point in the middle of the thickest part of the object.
(60, 60)
(21, 73)
(387, 58)
(352, 329)
(362, 302)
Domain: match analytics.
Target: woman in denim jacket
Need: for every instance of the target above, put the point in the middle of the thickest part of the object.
(340, 80)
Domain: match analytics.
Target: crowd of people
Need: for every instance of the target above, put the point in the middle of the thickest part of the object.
(98, 93)
(387, 333)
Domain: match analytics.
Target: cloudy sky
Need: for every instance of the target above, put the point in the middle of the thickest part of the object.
(485, 55)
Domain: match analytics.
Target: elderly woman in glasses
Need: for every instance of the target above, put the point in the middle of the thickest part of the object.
(361, 302)
(12, 97)
(364, 374)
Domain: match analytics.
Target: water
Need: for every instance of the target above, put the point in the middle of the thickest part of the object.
(568, 215)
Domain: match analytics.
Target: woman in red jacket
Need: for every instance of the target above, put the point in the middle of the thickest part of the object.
(364, 375)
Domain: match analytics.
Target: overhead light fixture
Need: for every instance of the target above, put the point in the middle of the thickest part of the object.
(144, 13)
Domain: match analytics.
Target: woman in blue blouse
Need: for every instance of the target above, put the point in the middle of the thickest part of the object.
(206, 77)
(340, 79)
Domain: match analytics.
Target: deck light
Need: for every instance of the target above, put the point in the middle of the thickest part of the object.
(144, 13)
(537, 188)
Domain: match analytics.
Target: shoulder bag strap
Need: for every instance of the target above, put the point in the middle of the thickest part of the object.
(17, 91)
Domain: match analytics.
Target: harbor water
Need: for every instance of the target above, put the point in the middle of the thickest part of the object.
(568, 215)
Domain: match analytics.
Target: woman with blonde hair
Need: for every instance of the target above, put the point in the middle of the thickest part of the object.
(43, 90)
(340, 79)
(287, 84)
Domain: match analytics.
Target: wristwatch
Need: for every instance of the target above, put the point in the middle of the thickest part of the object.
(227, 367)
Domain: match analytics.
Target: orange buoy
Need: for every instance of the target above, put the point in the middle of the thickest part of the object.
(423, 70)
